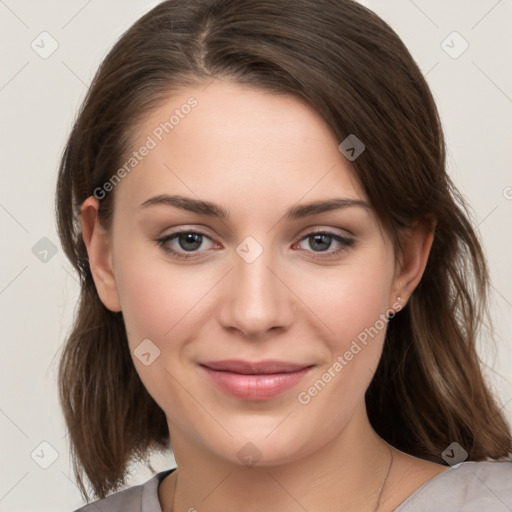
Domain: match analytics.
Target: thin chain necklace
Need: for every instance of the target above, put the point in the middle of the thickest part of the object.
(385, 479)
(381, 489)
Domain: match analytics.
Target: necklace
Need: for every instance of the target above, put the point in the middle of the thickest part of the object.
(174, 492)
(385, 479)
(381, 488)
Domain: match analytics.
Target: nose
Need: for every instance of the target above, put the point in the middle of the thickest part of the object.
(256, 298)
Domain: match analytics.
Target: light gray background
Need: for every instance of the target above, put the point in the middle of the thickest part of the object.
(38, 101)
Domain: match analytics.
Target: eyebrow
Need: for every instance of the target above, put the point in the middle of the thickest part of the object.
(217, 211)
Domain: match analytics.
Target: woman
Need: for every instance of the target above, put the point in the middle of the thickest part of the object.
(279, 279)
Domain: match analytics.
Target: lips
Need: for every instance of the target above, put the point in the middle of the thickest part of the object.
(255, 368)
(260, 380)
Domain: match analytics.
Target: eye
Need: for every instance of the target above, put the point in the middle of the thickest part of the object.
(321, 241)
(186, 242)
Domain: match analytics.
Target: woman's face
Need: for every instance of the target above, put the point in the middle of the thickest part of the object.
(258, 285)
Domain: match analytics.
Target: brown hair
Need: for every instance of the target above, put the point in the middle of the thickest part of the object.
(352, 68)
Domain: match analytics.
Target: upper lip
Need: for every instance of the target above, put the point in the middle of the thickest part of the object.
(254, 368)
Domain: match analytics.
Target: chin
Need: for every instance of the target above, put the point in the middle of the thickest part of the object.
(261, 447)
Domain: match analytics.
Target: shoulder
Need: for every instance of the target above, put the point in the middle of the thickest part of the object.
(139, 498)
(466, 487)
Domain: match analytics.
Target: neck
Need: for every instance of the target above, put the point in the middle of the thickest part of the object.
(347, 472)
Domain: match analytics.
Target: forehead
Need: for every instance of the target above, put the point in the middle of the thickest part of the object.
(226, 140)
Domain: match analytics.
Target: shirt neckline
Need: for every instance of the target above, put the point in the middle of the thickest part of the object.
(157, 479)
(422, 487)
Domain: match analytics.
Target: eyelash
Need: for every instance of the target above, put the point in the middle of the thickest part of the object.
(346, 242)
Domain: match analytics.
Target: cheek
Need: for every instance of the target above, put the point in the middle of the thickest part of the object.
(158, 298)
(351, 299)
(162, 302)
(352, 303)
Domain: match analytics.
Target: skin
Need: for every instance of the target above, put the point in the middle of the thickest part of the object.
(256, 154)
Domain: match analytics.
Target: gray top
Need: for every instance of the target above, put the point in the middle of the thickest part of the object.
(467, 487)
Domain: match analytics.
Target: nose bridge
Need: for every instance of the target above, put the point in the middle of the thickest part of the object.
(258, 299)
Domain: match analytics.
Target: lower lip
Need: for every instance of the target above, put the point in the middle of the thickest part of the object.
(255, 387)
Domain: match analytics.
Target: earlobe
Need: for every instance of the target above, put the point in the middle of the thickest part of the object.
(99, 252)
(416, 243)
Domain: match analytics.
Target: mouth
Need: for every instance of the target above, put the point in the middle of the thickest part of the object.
(261, 380)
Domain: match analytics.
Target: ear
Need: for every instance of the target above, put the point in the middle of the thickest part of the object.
(98, 245)
(415, 245)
